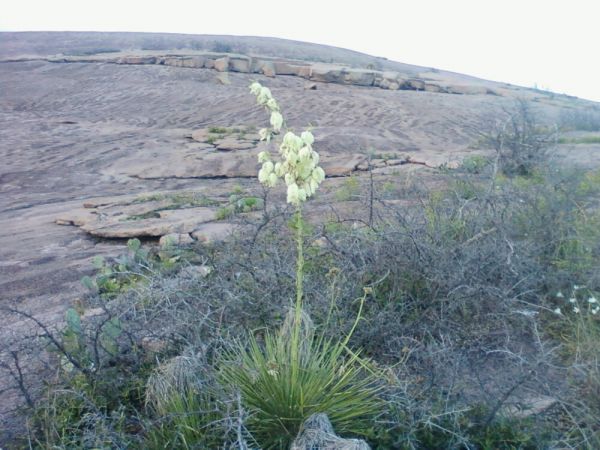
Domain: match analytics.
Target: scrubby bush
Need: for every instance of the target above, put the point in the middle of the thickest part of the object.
(520, 141)
(581, 119)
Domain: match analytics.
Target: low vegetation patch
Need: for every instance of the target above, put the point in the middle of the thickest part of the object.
(580, 140)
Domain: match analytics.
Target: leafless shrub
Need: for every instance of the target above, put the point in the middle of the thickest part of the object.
(521, 142)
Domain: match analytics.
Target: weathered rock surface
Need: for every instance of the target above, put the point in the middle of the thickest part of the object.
(133, 217)
(271, 67)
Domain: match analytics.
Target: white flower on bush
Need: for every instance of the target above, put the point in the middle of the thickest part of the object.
(299, 164)
(573, 300)
(557, 311)
(559, 295)
(576, 310)
(592, 300)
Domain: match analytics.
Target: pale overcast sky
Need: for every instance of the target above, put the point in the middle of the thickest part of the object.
(554, 44)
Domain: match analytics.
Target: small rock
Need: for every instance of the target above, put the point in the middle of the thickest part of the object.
(203, 270)
(212, 232)
(528, 407)
(317, 433)
(310, 86)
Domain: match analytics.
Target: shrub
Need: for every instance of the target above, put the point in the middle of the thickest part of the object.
(580, 119)
(475, 164)
(520, 141)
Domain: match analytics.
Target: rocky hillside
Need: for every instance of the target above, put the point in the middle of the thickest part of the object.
(120, 135)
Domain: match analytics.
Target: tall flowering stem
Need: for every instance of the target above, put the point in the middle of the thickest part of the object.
(299, 266)
(298, 166)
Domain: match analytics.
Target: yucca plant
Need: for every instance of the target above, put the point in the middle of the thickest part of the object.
(283, 383)
(296, 373)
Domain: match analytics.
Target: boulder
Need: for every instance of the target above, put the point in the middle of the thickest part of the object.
(209, 63)
(222, 64)
(430, 87)
(327, 73)
(212, 232)
(393, 86)
(304, 71)
(196, 62)
(341, 165)
(285, 68)
(268, 69)
(239, 64)
(172, 61)
(387, 76)
(415, 84)
(360, 77)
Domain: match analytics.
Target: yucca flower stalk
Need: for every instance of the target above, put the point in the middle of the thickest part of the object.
(296, 373)
(298, 167)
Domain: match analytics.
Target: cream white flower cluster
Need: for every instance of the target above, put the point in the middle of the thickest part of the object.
(299, 164)
(593, 306)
